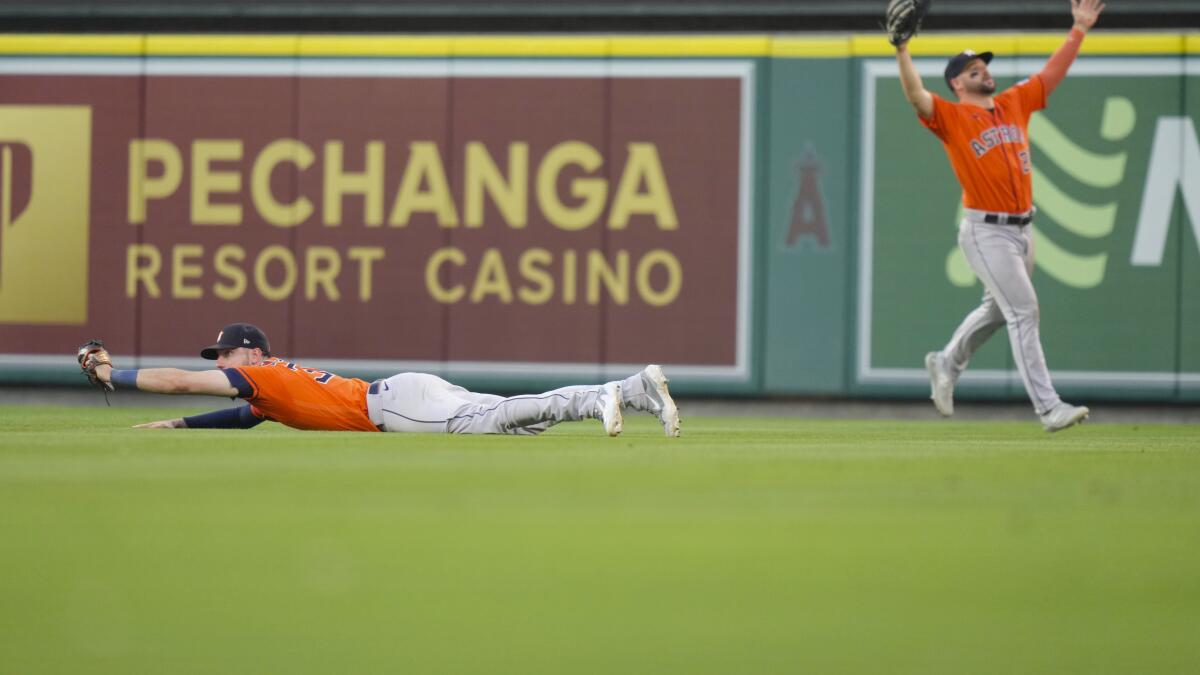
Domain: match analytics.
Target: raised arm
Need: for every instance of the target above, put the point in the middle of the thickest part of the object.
(1085, 13)
(910, 80)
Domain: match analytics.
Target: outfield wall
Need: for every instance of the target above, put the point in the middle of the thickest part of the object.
(762, 214)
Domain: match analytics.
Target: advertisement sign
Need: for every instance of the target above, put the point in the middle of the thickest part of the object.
(44, 213)
(476, 215)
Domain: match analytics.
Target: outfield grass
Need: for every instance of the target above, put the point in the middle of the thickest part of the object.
(747, 546)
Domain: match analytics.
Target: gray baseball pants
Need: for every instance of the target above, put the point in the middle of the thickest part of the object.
(423, 402)
(1002, 258)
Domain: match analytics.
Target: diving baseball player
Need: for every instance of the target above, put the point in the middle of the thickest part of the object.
(985, 136)
(306, 398)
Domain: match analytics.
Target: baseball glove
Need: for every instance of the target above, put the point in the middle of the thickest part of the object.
(94, 354)
(903, 19)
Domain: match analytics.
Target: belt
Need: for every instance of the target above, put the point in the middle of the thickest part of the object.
(1008, 219)
(374, 388)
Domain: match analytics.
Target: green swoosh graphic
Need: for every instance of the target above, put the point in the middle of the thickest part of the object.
(957, 270)
(1076, 271)
(1076, 217)
(1089, 168)
(1119, 118)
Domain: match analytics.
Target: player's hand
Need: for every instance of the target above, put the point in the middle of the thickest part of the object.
(161, 424)
(903, 19)
(93, 358)
(1086, 12)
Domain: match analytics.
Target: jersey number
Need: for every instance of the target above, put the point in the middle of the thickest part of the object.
(321, 376)
(1025, 166)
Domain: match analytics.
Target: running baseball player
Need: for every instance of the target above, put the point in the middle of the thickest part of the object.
(306, 398)
(986, 138)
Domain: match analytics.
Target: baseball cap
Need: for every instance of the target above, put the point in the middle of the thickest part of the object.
(958, 63)
(237, 335)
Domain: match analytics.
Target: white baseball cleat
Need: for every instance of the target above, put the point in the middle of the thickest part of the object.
(663, 406)
(609, 404)
(1064, 415)
(941, 384)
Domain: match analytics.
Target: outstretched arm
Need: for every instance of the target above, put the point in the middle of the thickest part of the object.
(1085, 13)
(240, 417)
(172, 380)
(910, 80)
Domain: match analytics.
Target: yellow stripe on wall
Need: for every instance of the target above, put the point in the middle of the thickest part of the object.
(530, 45)
(811, 47)
(631, 46)
(692, 45)
(936, 44)
(1098, 43)
(375, 46)
(221, 45)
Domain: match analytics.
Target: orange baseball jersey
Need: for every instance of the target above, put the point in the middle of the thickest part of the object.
(303, 398)
(989, 149)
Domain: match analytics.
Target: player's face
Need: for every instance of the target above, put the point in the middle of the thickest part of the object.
(238, 356)
(977, 80)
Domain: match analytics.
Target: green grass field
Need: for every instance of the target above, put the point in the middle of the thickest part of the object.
(747, 546)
